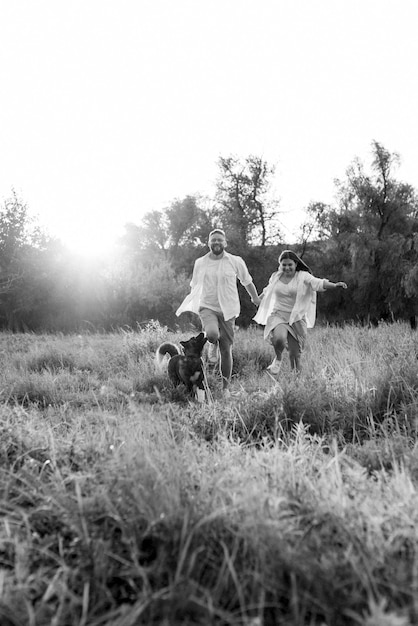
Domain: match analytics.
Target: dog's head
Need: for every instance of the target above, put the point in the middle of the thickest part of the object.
(194, 345)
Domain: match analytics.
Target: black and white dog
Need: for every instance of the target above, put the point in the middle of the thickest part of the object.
(185, 367)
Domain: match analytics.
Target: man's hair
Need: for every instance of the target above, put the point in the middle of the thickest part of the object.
(217, 230)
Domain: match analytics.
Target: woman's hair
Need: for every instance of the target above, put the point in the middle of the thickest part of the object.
(300, 265)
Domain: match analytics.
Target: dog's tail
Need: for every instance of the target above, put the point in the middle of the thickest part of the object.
(164, 349)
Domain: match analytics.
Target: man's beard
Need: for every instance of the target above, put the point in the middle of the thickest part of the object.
(216, 249)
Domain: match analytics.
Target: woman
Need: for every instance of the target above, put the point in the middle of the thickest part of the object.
(288, 307)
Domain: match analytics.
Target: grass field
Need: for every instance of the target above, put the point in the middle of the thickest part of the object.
(122, 503)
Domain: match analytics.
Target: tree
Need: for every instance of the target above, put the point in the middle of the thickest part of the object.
(244, 207)
(187, 222)
(386, 212)
(153, 232)
(150, 289)
(21, 244)
(368, 237)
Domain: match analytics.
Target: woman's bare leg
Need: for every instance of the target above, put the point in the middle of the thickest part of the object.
(279, 340)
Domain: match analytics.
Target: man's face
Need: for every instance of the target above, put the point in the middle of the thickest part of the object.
(217, 244)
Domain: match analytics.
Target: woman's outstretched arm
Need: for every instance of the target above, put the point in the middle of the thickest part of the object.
(329, 285)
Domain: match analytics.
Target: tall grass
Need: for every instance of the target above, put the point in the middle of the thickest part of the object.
(124, 503)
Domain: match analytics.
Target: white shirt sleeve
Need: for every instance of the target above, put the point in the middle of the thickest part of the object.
(243, 274)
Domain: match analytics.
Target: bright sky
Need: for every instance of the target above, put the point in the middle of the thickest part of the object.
(113, 108)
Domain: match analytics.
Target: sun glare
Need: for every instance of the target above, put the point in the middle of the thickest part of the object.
(90, 246)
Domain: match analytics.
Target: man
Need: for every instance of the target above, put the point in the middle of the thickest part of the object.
(214, 297)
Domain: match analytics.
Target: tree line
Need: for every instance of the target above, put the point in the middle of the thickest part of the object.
(368, 238)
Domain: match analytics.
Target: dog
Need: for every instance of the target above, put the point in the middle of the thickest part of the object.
(185, 368)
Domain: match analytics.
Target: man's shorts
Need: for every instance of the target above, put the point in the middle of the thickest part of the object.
(212, 318)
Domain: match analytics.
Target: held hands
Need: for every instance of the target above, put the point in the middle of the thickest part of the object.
(257, 300)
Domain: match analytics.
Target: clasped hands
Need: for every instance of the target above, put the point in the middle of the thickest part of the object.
(257, 300)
